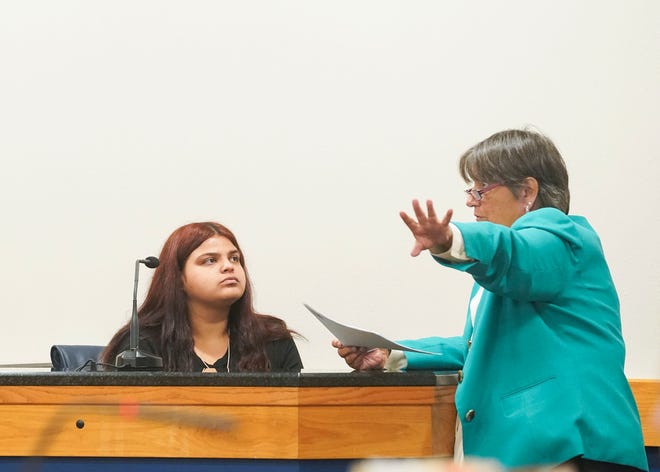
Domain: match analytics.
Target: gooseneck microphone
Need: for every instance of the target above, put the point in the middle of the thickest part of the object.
(133, 358)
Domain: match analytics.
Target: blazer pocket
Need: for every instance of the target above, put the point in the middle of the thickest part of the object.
(530, 399)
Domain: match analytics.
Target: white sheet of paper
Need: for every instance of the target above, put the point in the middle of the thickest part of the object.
(350, 336)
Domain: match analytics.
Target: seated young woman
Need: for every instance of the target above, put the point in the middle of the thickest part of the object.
(198, 314)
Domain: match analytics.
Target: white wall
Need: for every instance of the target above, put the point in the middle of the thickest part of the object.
(305, 127)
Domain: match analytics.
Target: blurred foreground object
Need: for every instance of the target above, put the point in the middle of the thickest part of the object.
(442, 465)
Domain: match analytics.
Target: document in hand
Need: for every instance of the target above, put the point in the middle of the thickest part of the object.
(350, 336)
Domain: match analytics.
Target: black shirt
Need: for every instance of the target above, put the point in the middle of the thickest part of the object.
(282, 354)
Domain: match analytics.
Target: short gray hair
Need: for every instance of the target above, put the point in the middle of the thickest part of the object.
(510, 156)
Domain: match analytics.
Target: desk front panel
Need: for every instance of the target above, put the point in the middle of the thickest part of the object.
(226, 422)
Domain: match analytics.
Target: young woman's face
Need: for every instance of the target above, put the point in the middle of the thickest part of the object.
(213, 274)
(497, 205)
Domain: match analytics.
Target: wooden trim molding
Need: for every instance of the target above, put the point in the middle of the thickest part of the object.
(647, 396)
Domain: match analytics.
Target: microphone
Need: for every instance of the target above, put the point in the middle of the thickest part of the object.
(133, 358)
(151, 262)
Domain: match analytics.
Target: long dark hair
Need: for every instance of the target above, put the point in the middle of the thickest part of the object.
(163, 316)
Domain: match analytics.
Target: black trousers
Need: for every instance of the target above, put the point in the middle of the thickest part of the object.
(585, 465)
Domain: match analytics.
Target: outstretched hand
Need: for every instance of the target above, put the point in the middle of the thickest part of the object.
(429, 232)
(361, 358)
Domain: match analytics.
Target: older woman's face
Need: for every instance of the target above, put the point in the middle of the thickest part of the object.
(497, 205)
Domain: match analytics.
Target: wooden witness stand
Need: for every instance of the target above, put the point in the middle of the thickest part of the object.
(267, 416)
(300, 417)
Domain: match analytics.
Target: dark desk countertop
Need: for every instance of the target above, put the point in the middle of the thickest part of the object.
(275, 379)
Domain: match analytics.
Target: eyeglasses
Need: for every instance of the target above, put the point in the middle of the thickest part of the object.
(479, 194)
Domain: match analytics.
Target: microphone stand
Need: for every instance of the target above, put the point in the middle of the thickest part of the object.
(133, 358)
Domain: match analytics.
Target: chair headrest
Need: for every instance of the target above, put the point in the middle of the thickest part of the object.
(73, 357)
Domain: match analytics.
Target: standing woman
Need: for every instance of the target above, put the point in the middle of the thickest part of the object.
(198, 314)
(542, 355)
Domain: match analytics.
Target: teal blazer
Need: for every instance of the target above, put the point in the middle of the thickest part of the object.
(542, 378)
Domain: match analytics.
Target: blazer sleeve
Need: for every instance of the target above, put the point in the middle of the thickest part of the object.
(451, 352)
(530, 261)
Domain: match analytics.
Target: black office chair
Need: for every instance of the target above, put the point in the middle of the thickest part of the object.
(76, 357)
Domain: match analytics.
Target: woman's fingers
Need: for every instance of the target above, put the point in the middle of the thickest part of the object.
(430, 211)
(447, 219)
(419, 213)
(361, 358)
(417, 249)
(410, 222)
